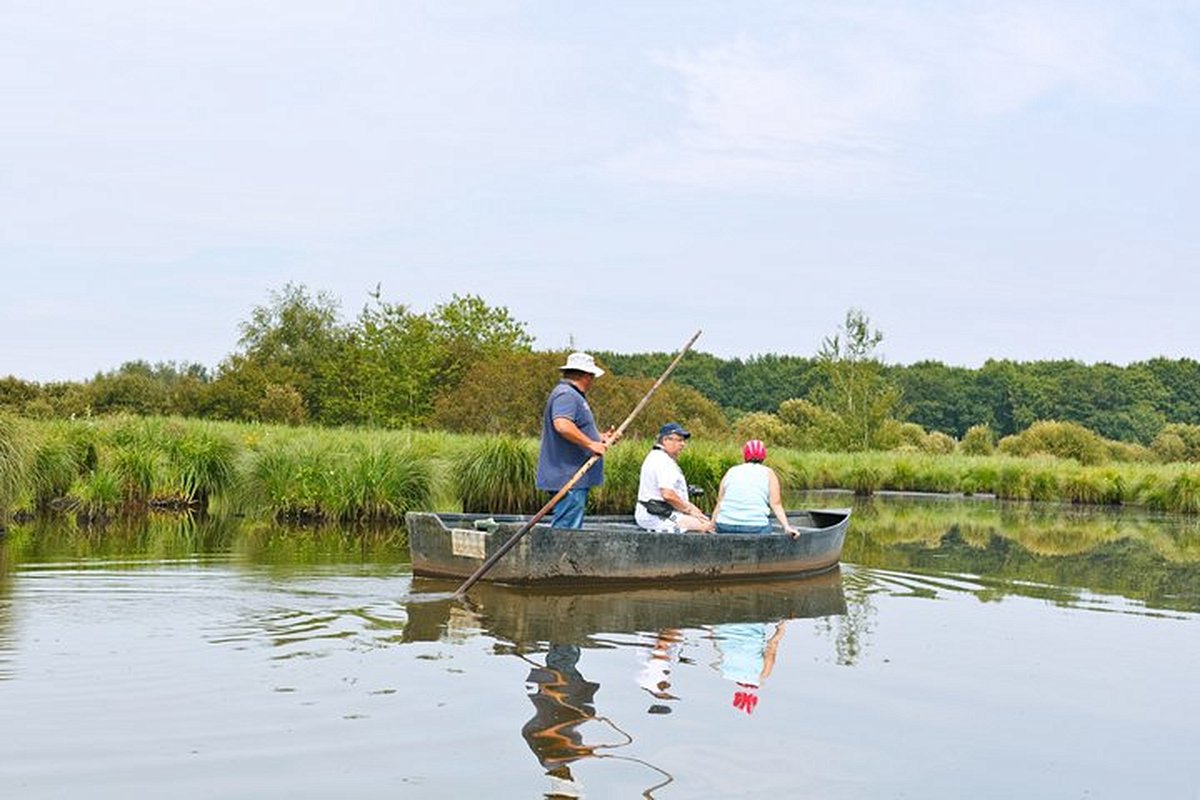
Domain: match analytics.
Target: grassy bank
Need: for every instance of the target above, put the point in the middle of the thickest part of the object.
(97, 469)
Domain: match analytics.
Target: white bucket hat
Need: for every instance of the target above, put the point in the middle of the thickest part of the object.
(583, 363)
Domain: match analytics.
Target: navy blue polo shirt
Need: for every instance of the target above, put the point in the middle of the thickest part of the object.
(559, 459)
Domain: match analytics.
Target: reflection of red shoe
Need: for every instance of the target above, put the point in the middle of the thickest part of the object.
(746, 701)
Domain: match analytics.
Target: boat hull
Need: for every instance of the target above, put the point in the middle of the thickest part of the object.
(613, 549)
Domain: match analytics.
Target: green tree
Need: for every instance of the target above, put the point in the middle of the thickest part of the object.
(855, 388)
(298, 339)
(397, 362)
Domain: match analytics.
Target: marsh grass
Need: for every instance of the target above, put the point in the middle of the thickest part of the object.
(204, 463)
(110, 466)
(316, 477)
(622, 472)
(497, 474)
(15, 449)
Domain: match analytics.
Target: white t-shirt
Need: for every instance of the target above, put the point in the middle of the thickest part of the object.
(659, 471)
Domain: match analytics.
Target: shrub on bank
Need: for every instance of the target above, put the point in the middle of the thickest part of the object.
(1061, 439)
(979, 440)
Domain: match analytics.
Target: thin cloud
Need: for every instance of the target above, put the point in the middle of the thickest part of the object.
(824, 113)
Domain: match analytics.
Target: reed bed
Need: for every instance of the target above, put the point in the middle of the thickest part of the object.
(497, 474)
(14, 454)
(103, 468)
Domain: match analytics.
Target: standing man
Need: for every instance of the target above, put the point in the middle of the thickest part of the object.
(663, 505)
(569, 439)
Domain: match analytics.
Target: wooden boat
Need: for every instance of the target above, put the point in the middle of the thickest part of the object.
(614, 549)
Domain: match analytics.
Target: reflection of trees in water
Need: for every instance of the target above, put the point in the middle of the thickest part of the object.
(174, 536)
(851, 630)
(1150, 557)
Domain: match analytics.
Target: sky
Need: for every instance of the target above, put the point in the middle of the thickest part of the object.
(983, 179)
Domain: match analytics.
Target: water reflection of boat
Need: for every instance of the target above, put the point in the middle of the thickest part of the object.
(614, 549)
(526, 616)
(565, 727)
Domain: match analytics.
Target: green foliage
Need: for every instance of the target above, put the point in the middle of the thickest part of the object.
(1013, 482)
(52, 471)
(1177, 442)
(980, 477)
(979, 440)
(1061, 439)
(622, 471)
(496, 474)
(1183, 494)
(204, 461)
(864, 477)
(98, 493)
(136, 464)
(501, 395)
(911, 434)
(281, 404)
(856, 390)
(377, 483)
(613, 398)
(811, 427)
(14, 450)
(767, 427)
(938, 443)
(507, 394)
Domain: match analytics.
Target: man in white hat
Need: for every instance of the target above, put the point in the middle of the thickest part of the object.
(570, 438)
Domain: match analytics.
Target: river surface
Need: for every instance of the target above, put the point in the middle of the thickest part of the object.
(964, 649)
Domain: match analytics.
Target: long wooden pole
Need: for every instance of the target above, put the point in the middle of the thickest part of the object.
(561, 493)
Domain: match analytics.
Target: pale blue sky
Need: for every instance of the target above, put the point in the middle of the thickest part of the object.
(991, 179)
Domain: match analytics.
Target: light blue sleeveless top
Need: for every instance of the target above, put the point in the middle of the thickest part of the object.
(747, 496)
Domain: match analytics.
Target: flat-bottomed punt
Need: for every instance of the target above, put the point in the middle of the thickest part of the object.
(614, 549)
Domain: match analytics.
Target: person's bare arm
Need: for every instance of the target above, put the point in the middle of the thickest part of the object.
(570, 431)
(776, 500)
(770, 651)
(679, 504)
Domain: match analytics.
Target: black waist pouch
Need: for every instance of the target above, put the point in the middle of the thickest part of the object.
(659, 508)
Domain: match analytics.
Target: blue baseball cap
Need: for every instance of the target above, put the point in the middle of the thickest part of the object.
(673, 428)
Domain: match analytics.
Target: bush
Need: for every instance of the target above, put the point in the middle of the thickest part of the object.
(979, 440)
(1061, 439)
(812, 427)
(1177, 442)
(912, 434)
(767, 427)
(282, 404)
(938, 443)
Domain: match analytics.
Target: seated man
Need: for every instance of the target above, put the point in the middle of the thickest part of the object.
(663, 505)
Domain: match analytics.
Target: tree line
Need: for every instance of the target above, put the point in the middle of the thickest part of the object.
(468, 366)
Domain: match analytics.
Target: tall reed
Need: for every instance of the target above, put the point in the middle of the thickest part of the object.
(14, 450)
(498, 474)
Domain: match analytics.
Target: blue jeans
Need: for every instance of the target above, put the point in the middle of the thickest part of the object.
(568, 512)
(726, 527)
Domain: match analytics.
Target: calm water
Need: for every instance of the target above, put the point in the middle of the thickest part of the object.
(964, 649)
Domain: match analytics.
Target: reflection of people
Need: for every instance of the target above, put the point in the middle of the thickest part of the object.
(747, 656)
(663, 505)
(563, 700)
(748, 492)
(569, 439)
(655, 676)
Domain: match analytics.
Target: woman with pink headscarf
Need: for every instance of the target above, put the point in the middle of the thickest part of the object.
(749, 493)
